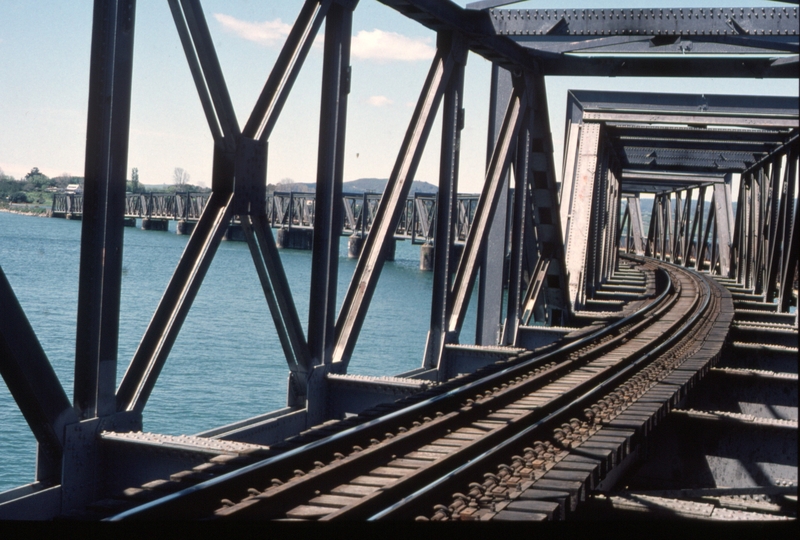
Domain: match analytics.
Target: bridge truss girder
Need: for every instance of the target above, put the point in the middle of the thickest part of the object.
(545, 241)
(607, 135)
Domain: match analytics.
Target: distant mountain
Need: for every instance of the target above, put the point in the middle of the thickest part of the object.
(369, 185)
(377, 185)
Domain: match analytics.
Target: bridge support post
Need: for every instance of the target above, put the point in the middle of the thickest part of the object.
(490, 286)
(295, 238)
(184, 227)
(426, 252)
(579, 201)
(104, 207)
(354, 245)
(149, 224)
(234, 233)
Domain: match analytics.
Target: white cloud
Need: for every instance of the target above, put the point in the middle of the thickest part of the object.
(265, 33)
(374, 45)
(379, 101)
(388, 46)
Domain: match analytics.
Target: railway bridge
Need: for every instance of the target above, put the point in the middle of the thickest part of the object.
(655, 375)
(291, 213)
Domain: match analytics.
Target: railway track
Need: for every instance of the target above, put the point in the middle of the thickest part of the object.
(489, 440)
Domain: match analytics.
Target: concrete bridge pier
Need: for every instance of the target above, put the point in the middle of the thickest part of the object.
(150, 224)
(427, 251)
(185, 227)
(233, 232)
(355, 243)
(295, 238)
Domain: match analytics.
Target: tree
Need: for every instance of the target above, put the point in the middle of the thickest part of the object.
(35, 180)
(134, 180)
(180, 177)
(287, 184)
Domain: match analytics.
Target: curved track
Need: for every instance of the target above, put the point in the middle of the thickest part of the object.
(484, 440)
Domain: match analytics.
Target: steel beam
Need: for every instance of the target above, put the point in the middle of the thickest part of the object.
(493, 255)
(328, 209)
(789, 255)
(373, 255)
(446, 211)
(33, 383)
(688, 22)
(478, 233)
(212, 79)
(165, 325)
(106, 166)
(522, 206)
(544, 209)
(636, 226)
(579, 203)
(723, 229)
(283, 75)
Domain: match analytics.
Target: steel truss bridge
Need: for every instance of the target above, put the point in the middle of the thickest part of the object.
(605, 354)
(288, 210)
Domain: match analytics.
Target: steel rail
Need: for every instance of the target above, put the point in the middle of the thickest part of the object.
(382, 459)
(406, 506)
(224, 486)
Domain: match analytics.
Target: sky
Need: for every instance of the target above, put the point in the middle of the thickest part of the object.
(44, 74)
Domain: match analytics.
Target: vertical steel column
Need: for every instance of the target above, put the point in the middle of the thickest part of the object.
(687, 228)
(484, 214)
(760, 235)
(772, 188)
(373, 254)
(697, 225)
(613, 245)
(704, 243)
(522, 177)
(666, 220)
(723, 218)
(611, 218)
(650, 248)
(446, 207)
(578, 215)
(330, 167)
(492, 261)
(625, 223)
(785, 187)
(790, 234)
(102, 229)
(598, 209)
(636, 225)
(738, 265)
(545, 235)
(676, 236)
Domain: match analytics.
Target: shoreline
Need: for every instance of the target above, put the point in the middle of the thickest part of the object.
(45, 213)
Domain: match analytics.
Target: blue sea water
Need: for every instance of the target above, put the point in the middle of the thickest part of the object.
(226, 364)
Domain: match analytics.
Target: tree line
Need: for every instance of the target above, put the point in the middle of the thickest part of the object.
(38, 188)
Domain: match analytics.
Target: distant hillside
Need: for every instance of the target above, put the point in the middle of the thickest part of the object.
(377, 185)
(370, 185)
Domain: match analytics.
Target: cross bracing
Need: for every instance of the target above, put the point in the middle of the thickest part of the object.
(552, 246)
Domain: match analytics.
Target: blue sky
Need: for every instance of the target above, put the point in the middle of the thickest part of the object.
(44, 72)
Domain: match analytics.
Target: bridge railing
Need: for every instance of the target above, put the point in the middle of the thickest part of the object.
(67, 203)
